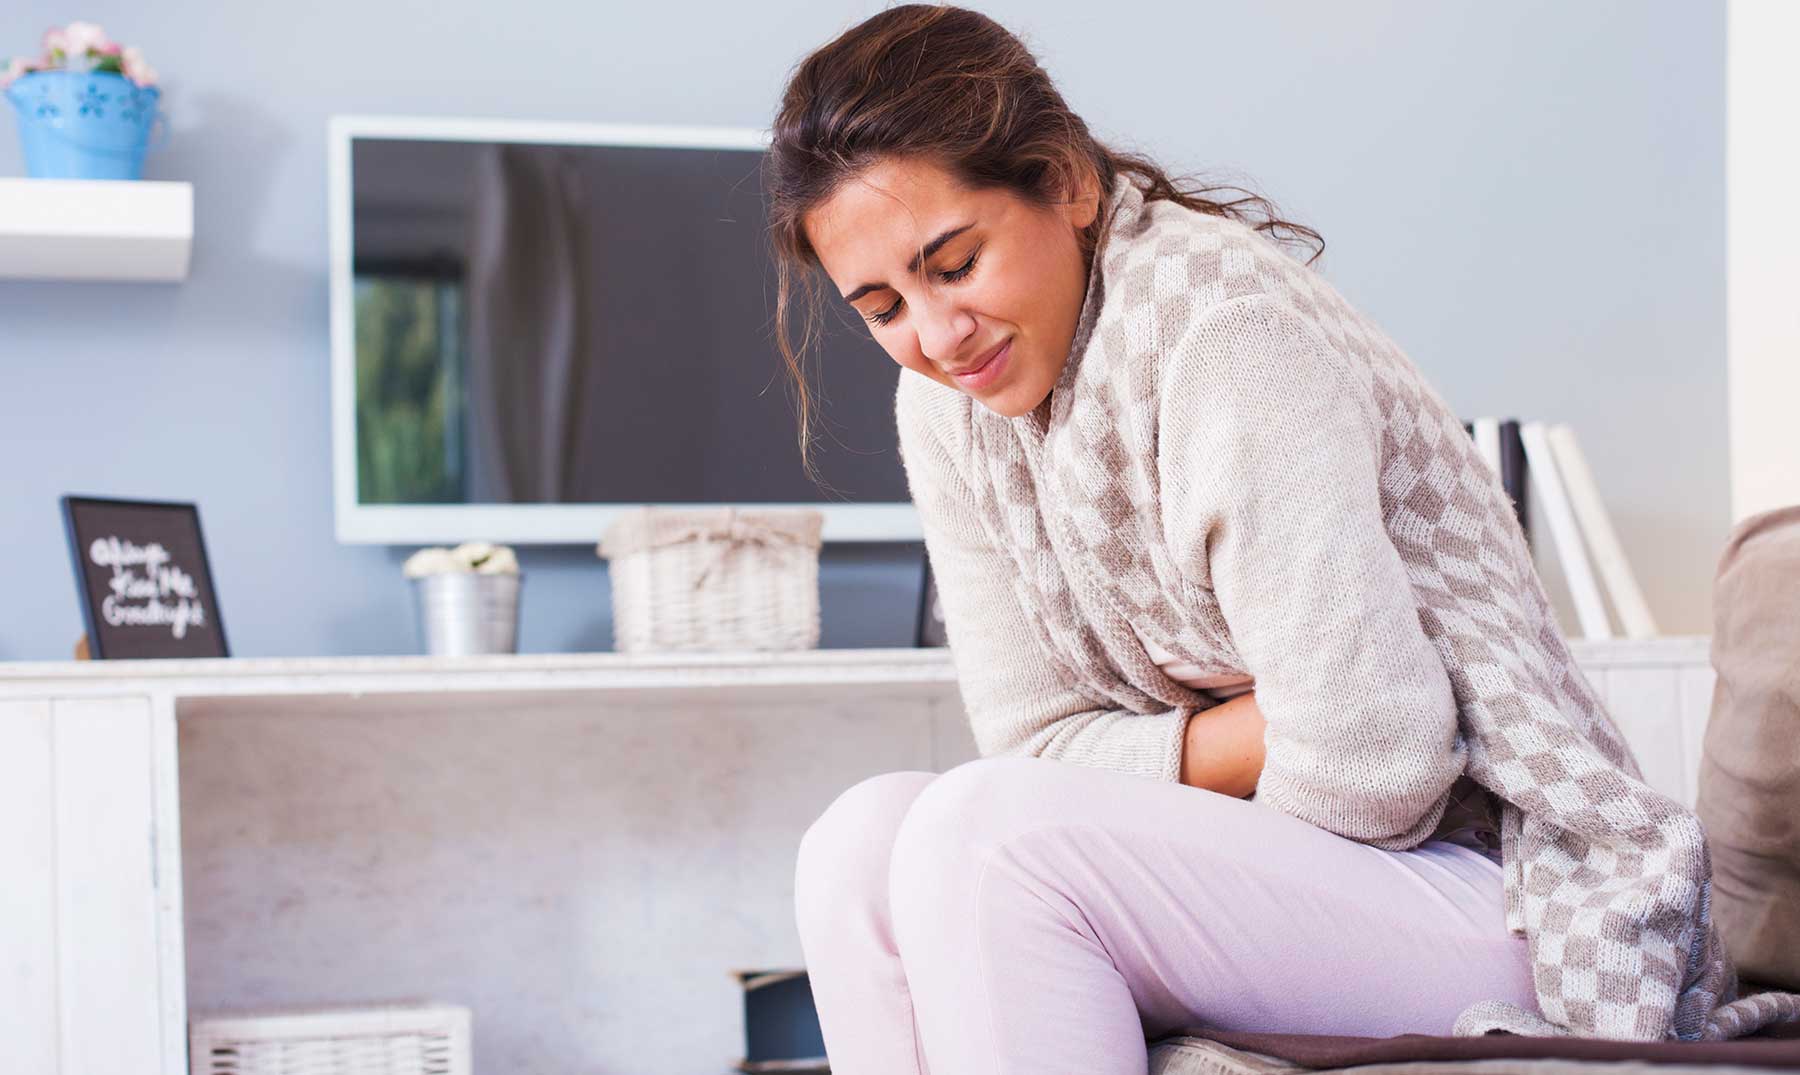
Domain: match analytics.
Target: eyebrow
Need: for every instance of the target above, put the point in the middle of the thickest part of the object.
(912, 266)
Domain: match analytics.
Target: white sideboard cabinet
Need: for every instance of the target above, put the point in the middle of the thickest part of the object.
(580, 848)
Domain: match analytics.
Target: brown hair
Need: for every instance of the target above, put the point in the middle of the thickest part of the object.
(950, 85)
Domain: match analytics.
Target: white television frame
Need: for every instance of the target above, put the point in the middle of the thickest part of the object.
(543, 524)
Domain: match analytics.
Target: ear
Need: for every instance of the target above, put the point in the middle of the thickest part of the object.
(1084, 205)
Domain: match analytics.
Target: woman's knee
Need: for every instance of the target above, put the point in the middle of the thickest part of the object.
(960, 819)
(843, 857)
(981, 799)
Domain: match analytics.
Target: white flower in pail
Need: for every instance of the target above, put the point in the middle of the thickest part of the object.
(467, 598)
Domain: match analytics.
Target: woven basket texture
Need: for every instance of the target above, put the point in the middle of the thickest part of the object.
(426, 1039)
(716, 580)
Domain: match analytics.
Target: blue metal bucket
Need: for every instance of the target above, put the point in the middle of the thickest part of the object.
(84, 125)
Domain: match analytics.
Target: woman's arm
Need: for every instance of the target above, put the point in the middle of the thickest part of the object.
(1274, 497)
(1223, 748)
(1016, 701)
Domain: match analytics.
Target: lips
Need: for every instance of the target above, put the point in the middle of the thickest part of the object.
(991, 370)
(985, 359)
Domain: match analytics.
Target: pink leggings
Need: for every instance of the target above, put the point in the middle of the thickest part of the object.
(1027, 915)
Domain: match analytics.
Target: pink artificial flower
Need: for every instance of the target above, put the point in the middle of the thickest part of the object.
(55, 41)
(111, 49)
(80, 37)
(15, 69)
(134, 68)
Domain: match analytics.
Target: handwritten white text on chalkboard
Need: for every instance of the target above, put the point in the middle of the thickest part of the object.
(163, 595)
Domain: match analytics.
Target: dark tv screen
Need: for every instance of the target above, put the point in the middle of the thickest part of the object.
(575, 324)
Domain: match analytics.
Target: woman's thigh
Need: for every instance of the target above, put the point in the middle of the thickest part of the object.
(1009, 875)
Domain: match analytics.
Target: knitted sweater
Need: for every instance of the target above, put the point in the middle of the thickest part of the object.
(1242, 469)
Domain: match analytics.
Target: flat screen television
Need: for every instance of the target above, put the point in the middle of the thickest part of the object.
(537, 325)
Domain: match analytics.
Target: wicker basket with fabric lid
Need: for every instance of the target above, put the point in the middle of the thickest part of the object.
(714, 579)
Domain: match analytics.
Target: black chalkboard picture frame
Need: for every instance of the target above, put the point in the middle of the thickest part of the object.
(145, 584)
(931, 612)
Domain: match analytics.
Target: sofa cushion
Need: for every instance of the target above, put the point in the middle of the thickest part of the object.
(1749, 793)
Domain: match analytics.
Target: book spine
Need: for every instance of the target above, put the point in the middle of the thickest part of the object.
(1487, 442)
(1512, 472)
(1609, 555)
(1590, 608)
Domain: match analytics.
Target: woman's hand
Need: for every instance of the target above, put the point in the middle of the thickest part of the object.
(1222, 750)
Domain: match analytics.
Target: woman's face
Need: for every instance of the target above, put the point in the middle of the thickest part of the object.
(992, 307)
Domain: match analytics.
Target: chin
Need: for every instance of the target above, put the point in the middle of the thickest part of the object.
(1006, 405)
(1013, 401)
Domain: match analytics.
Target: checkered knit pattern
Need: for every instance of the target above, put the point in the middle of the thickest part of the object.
(1249, 472)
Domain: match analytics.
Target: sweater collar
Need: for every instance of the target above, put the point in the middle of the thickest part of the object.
(1083, 598)
(1122, 214)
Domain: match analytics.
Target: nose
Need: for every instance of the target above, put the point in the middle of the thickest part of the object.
(944, 329)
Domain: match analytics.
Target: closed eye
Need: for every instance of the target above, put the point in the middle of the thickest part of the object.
(950, 277)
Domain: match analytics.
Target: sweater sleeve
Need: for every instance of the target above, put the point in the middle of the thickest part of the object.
(1015, 702)
(1271, 457)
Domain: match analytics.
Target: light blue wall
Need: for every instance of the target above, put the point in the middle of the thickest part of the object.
(1528, 196)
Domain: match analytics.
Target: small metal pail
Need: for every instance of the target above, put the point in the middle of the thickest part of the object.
(465, 612)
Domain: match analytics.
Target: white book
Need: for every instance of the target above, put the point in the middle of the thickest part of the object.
(1487, 442)
(1540, 470)
(1609, 555)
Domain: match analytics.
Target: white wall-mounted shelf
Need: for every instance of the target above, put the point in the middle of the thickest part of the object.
(95, 229)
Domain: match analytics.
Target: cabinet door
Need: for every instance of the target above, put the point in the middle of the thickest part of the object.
(80, 991)
(28, 1024)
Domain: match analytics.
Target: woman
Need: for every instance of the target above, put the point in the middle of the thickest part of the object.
(1273, 710)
